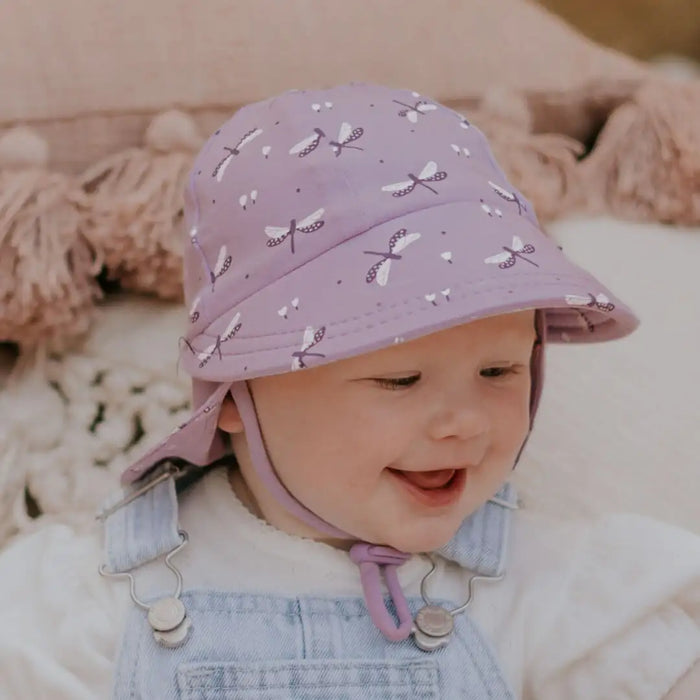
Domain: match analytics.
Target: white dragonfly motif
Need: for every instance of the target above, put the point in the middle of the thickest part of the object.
(430, 173)
(233, 327)
(312, 337)
(599, 301)
(307, 144)
(279, 234)
(346, 136)
(508, 196)
(223, 262)
(380, 270)
(220, 169)
(194, 314)
(511, 253)
(413, 111)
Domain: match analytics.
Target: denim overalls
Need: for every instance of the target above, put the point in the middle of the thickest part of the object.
(247, 646)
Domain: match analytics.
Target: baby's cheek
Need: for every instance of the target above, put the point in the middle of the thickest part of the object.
(516, 414)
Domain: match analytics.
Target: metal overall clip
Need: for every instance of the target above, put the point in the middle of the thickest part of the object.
(166, 616)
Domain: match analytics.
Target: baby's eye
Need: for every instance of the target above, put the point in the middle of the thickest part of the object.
(397, 382)
(496, 372)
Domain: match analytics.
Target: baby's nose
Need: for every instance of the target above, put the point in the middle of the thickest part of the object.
(460, 418)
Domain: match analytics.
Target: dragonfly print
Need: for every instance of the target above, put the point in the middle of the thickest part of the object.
(194, 313)
(279, 234)
(413, 111)
(204, 356)
(380, 270)
(223, 261)
(508, 196)
(510, 255)
(485, 207)
(430, 173)
(597, 301)
(585, 320)
(346, 135)
(220, 169)
(307, 145)
(312, 338)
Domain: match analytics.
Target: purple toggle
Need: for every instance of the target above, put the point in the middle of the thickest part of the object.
(371, 559)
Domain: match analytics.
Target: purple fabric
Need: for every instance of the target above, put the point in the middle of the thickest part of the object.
(372, 560)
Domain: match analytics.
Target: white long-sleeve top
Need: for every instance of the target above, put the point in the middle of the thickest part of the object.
(587, 610)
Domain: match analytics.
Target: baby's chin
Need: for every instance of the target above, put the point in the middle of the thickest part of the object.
(427, 534)
(420, 537)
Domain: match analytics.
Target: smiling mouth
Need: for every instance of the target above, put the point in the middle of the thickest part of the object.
(438, 487)
(435, 479)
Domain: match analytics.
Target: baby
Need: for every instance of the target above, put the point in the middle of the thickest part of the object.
(369, 301)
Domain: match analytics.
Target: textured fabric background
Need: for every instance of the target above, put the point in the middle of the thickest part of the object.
(68, 67)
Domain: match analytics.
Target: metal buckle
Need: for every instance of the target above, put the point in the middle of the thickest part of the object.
(171, 469)
(132, 581)
(167, 616)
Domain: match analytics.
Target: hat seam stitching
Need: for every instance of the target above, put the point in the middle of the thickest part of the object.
(394, 317)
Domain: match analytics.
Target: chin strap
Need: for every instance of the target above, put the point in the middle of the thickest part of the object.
(373, 560)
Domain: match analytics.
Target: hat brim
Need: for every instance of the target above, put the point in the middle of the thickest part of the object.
(450, 275)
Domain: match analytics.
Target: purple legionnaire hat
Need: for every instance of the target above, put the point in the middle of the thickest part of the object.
(326, 224)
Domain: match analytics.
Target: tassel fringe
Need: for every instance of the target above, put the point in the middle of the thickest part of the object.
(136, 212)
(47, 266)
(646, 162)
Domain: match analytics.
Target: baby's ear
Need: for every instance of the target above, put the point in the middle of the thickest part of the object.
(229, 417)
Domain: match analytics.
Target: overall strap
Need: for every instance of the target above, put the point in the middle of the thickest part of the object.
(481, 543)
(140, 523)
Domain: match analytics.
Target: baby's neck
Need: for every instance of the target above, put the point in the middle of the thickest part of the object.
(240, 488)
(243, 493)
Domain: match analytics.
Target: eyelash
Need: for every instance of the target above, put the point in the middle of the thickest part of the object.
(504, 372)
(398, 382)
(405, 382)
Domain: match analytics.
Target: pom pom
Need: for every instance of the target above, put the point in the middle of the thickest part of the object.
(136, 213)
(47, 267)
(23, 148)
(646, 161)
(173, 131)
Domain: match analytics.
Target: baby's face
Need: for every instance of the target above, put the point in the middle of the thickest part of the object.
(370, 443)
